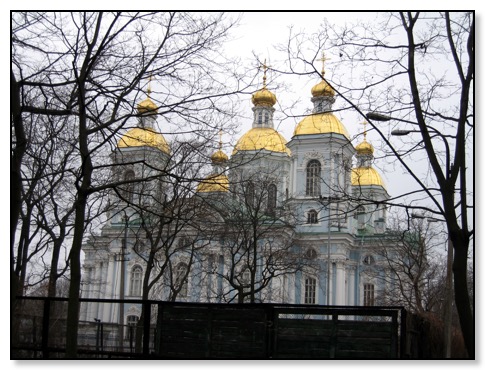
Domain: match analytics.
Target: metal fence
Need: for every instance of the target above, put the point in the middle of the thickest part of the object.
(204, 330)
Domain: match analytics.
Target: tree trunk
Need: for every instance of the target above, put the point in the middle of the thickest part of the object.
(462, 300)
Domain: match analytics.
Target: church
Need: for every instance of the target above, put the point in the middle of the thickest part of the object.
(276, 222)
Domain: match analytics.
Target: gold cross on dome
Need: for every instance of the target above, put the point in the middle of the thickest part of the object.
(265, 68)
(365, 129)
(323, 59)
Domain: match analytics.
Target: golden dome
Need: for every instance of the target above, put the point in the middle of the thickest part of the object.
(260, 138)
(364, 148)
(264, 97)
(147, 106)
(214, 183)
(144, 137)
(320, 123)
(364, 176)
(219, 157)
(322, 89)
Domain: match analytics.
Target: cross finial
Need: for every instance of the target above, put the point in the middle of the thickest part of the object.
(220, 139)
(365, 130)
(323, 59)
(265, 68)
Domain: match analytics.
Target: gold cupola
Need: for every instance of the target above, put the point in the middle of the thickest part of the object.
(139, 137)
(365, 174)
(264, 97)
(322, 120)
(147, 106)
(217, 181)
(262, 136)
(144, 135)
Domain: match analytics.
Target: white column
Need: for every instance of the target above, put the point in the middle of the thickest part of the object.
(106, 286)
(340, 284)
(351, 286)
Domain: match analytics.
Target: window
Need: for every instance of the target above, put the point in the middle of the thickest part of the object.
(181, 279)
(131, 321)
(260, 117)
(271, 199)
(129, 187)
(311, 253)
(136, 279)
(368, 260)
(312, 217)
(313, 178)
(368, 294)
(310, 290)
(360, 216)
(266, 117)
(250, 194)
(319, 106)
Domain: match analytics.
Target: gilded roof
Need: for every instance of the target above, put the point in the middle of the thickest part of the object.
(322, 89)
(264, 97)
(260, 138)
(147, 106)
(214, 183)
(144, 137)
(219, 157)
(364, 148)
(320, 123)
(363, 176)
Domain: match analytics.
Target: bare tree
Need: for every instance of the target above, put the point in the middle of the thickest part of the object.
(89, 67)
(416, 69)
(256, 240)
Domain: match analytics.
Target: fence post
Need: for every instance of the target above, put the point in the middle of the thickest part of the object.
(45, 327)
(146, 329)
(404, 330)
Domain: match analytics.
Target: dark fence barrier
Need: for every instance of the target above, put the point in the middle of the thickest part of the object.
(208, 331)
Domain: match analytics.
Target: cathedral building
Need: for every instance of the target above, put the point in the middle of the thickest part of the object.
(282, 222)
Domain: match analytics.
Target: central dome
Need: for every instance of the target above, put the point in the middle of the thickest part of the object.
(320, 123)
(144, 137)
(214, 183)
(262, 138)
(363, 176)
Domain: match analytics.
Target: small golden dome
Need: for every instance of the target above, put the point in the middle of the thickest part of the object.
(219, 157)
(364, 148)
(320, 123)
(214, 183)
(147, 106)
(322, 89)
(144, 137)
(263, 97)
(262, 138)
(366, 176)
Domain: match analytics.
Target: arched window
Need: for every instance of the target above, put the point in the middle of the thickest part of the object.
(368, 294)
(266, 117)
(136, 279)
(131, 321)
(181, 279)
(319, 106)
(271, 198)
(129, 176)
(312, 217)
(360, 216)
(310, 290)
(260, 117)
(250, 194)
(313, 170)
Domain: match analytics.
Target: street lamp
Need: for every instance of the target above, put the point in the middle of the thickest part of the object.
(449, 288)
